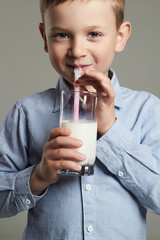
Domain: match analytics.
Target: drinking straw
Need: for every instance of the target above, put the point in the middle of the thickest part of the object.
(77, 72)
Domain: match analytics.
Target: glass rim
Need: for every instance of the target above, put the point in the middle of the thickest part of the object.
(80, 91)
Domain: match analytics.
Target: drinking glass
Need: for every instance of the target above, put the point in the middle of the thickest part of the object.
(78, 112)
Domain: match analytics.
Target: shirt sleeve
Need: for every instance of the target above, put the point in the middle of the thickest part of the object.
(15, 193)
(135, 160)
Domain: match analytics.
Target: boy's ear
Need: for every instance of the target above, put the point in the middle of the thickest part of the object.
(124, 33)
(43, 34)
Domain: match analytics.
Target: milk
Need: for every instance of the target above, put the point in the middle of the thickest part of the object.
(87, 132)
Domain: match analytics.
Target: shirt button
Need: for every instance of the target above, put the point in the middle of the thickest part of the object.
(90, 228)
(88, 187)
(120, 174)
(27, 201)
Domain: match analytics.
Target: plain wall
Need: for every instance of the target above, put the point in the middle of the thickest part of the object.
(25, 68)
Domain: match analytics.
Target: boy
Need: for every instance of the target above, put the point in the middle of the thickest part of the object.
(112, 203)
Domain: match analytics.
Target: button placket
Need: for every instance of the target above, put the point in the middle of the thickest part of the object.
(88, 198)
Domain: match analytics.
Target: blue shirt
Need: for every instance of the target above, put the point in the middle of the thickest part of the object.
(112, 203)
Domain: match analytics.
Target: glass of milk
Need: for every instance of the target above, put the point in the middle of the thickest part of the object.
(78, 112)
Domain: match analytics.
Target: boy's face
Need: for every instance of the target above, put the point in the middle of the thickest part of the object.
(80, 34)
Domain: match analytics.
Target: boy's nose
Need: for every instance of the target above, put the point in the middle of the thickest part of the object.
(77, 49)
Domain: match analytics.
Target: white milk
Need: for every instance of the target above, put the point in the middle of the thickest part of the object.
(87, 132)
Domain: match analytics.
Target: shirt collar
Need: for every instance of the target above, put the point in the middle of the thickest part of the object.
(116, 87)
(61, 85)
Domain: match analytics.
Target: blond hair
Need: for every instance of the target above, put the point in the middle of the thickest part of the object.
(117, 5)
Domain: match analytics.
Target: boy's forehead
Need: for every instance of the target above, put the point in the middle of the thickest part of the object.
(116, 5)
(76, 11)
(68, 2)
(56, 2)
(78, 5)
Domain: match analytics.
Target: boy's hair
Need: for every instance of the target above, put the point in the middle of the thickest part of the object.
(117, 5)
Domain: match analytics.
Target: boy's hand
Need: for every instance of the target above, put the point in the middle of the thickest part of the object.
(58, 153)
(106, 96)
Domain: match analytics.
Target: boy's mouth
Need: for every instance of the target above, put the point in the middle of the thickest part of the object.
(83, 66)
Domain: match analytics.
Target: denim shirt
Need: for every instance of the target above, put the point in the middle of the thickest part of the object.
(111, 204)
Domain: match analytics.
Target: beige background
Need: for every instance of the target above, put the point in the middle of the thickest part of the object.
(25, 68)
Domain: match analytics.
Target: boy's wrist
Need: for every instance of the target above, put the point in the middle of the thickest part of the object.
(37, 185)
(102, 130)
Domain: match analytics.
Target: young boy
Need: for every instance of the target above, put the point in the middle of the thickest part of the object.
(112, 203)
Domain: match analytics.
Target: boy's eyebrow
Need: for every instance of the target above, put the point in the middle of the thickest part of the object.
(57, 28)
(95, 26)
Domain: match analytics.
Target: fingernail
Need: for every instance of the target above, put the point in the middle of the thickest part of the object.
(78, 168)
(68, 131)
(78, 142)
(82, 157)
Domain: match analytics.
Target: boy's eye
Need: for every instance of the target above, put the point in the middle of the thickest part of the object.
(62, 35)
(94, 34)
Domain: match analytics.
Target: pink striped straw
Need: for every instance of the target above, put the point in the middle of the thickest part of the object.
(77, 72)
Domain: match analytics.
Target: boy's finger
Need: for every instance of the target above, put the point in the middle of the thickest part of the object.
(59, 165)
(96, 75)
(60, 131)
(93, 77)
(64, 142)
(66, 154)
